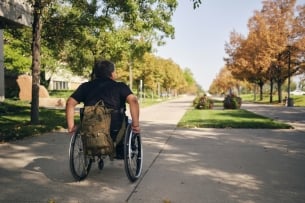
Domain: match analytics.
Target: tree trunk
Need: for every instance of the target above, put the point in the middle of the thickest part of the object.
(271, 92)
(36, 32)
(238, 90)
(261, 84)
(279, 91)
(254, 99)
(2, 77)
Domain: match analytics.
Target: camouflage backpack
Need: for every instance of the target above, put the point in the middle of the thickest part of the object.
(95, 129)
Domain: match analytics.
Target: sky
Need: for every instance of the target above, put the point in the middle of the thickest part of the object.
(201, 34)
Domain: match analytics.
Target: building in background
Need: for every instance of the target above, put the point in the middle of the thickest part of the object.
(63, 79)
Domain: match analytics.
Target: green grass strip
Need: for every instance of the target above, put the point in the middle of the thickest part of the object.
(228, 119)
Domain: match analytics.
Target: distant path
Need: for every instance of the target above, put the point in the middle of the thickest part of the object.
(294, 116)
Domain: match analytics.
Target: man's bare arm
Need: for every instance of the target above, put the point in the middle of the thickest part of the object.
(70, 106)
(134, 112)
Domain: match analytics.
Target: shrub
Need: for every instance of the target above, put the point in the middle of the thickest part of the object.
(203, 102)
(232, 102)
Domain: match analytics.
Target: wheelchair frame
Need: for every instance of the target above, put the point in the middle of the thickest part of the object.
(80, 163)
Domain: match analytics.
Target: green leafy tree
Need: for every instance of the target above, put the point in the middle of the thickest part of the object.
(17, 50)
(74, 28)
(191, 84)
(107, 29)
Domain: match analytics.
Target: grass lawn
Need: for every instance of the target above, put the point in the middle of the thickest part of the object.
(15, 120)
(298, 100)
(227, 119)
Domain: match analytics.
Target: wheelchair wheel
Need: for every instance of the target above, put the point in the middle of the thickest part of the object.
(133, 154)
(80, 164)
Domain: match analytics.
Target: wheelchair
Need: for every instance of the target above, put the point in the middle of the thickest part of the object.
(80, 163)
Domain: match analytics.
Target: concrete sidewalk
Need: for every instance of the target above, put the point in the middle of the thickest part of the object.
(229, 165)
(180, 165)
(295, 116)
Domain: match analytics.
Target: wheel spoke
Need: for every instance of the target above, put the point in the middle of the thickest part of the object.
(133, 153)
(80, 164)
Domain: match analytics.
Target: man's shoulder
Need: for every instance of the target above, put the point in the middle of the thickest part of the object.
(85, 83)
(121, 83)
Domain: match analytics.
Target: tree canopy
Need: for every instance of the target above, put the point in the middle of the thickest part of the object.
(73, 34)
(273, 50)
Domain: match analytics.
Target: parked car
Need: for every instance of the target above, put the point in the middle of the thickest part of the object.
(297, 92)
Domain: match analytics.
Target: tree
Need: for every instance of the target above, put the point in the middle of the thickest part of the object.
(192, 86)
(17, 50)
(157, 73)
(240, 63)
(278, 16)
(225, 82)
(38, 9)
(81, 25)
(258, 50)
(276, 34)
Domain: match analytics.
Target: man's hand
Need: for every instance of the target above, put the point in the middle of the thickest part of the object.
(135, 129)
(72, 130)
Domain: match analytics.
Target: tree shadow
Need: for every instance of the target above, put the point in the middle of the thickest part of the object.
(240, 166)
(55, 170)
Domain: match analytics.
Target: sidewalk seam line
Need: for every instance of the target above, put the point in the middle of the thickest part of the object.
(150, 166)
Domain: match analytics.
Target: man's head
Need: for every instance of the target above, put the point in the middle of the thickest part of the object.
(103, 69)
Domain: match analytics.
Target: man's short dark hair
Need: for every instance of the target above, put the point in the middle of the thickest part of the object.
(103, 69)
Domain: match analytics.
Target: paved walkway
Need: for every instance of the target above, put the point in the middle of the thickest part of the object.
(294, 116)
(180, 165)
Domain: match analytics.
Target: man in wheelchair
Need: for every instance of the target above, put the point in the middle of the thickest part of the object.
(114, 95)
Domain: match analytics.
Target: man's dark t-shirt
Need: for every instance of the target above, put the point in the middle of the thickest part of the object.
(113, 94)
